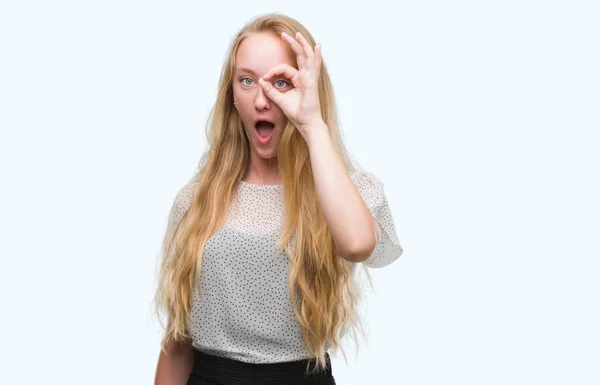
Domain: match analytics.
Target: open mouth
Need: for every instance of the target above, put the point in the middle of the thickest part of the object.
(264, 128)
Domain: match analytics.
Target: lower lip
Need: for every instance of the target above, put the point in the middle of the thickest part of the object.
(266, 140)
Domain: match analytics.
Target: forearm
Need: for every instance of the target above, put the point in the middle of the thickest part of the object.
(348, 217)
(175, 368)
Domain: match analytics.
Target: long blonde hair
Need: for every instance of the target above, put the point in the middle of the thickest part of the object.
(328, 291)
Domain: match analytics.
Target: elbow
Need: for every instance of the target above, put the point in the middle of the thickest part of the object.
(363, 253)
(362, 246)
(360, 251)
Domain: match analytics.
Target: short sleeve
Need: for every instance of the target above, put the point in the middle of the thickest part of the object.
(179, 207)
(388, 248)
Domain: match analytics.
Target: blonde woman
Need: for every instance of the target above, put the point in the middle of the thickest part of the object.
(257, 276)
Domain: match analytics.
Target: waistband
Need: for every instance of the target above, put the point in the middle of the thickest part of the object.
(203, 360)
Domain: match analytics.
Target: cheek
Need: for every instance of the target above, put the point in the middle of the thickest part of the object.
(241, 102)
(244, 113)
(242, 109)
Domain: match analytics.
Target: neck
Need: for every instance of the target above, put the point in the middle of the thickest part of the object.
(263, 171)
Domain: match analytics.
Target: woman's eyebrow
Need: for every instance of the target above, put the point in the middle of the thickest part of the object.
(244, 69)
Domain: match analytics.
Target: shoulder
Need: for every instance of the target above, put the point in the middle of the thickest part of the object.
(365, 177)
(183, 200)
(185, 193)
(369, 186)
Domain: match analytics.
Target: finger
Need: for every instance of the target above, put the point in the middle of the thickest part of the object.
(296, 47)
(318, 58)
(270, 91)
(308, 51)
(287, 70)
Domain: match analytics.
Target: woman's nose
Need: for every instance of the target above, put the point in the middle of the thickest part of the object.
(261, 101)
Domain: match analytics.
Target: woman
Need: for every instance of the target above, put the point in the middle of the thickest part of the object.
(258, 269)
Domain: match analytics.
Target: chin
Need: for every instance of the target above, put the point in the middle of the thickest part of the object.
(267, 154)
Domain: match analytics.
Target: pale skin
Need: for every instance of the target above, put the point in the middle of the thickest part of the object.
(352, 225)
(175, 368)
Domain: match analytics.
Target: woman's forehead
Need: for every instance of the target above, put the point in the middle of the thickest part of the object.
(261, 51)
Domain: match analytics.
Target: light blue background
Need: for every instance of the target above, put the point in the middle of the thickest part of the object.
(482, 118)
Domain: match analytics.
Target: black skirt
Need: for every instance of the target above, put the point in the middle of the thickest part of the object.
(212, 370)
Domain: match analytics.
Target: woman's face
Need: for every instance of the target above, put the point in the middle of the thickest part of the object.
(255, 56)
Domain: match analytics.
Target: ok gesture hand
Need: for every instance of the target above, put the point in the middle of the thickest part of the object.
(301, 104)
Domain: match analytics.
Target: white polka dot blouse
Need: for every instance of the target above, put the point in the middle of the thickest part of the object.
(246, 312)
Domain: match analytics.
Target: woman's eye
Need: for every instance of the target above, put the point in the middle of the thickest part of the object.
(283, 81)
(279, 83)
